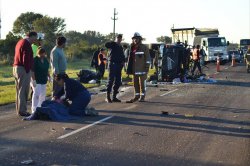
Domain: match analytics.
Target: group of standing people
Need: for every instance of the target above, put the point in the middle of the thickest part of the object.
(138, 62)
(32, 68)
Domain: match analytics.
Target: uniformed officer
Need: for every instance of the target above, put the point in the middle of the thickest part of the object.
(116, 63)
(138, 66)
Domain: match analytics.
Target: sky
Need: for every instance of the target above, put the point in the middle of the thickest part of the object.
(151, 18)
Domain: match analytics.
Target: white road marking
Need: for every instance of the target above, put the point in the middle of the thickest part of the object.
(169, 92)
(216, 73)
(85, 127)
(130, 107)
(226, 68)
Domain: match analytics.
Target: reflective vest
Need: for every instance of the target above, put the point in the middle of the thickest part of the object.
(196, 56)
(101, 60)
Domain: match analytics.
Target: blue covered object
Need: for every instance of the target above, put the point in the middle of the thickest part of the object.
(51, 110)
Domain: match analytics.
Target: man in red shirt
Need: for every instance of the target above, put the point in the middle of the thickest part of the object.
(23, 63)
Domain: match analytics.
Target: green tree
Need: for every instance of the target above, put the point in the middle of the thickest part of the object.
(164, 39)
(51, 27)
(7, 47)
(24, 23)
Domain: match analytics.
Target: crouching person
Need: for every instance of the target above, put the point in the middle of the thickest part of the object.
(75, 92)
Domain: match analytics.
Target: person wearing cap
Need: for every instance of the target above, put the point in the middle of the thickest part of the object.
(116, 63)
(22, 66)
(101, 63)
(37, 44)
(138, 66)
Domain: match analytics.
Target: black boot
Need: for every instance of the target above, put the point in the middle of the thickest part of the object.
(133, 100)
(114, 97)
(142, 99)
(108, 99)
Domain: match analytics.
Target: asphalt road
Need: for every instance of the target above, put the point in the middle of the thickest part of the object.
(207, 124)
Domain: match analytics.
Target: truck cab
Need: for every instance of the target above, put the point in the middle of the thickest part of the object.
(214, 47)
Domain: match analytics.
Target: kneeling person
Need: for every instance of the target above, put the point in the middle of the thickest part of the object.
(75, 92)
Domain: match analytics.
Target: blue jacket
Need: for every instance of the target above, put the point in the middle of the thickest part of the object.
(71, 89)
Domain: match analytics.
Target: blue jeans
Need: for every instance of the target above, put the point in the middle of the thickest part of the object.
(79, 103)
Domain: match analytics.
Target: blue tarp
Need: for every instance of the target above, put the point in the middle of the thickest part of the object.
(51, 110)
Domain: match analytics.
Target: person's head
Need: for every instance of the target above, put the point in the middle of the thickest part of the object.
(32, 37)
(102, 50)
(136, 39)
(60, 78)
(198, 46)
(61, 41)
(119, 38)
(41, 52)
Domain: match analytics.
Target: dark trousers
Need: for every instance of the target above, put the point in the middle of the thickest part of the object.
(196, 64)
(79, 103)
(101, 71)
(114, 79)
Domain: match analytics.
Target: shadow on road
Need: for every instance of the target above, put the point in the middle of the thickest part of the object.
(211, 127)
(197, 106)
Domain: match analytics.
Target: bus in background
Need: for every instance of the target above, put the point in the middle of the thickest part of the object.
(244, 43)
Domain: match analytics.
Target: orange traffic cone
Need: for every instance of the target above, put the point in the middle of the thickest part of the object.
(233, 60)
(218, 64)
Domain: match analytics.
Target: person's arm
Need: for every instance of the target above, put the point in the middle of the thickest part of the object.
(55, 59)
(60, 93)
(27, 61)
(109, 45)
(147, 58)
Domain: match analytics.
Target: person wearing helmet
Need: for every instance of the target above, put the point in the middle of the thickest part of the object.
(138, 66)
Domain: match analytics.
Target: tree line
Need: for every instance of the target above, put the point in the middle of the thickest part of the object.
(79, 45)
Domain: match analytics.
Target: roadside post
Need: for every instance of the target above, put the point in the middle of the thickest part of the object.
(233, 60)
(218, 63)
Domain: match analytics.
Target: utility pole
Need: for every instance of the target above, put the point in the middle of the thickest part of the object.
(114, 19)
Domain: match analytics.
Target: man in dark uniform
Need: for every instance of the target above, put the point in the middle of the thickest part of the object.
(116, 63)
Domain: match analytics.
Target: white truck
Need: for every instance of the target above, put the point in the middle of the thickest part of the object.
(208, 38)
(212, 44)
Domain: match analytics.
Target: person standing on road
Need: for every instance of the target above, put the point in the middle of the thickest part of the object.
(58, 62)
(138, 66)
(196, 59)
(40, 77)
(101, 64)
(94, 61)
(116, 63)
(203, 55)
(22, 66)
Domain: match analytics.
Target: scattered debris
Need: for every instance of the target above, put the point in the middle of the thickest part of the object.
(92, 82)
(164, 112)
(139, 134)
(28, 162)
(52, 129)
(67, 128)
(103, 90)
(189, 115)
(164, 89)
(176, 81)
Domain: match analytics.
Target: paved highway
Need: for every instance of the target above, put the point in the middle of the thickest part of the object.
(205, 124)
